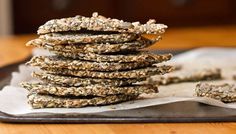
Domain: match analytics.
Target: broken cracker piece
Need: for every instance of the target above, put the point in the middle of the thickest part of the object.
(224, 92)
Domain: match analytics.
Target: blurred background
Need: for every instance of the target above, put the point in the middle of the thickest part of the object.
(24, 16)
(192, 23)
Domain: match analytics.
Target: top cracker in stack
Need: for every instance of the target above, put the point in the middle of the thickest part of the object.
(97, 61)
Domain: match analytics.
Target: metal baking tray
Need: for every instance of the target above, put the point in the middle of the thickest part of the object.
(174, 112)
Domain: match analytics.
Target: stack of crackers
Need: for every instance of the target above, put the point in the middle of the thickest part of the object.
(96, 61)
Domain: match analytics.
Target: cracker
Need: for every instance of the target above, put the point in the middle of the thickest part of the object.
(76, 81)
(137, 73)
(100, 23)
(47, 101)
(189, 76)
(99, 48)
(72, 38)
(225, 92)
(133, 57)
(59, 62)
(91, 90)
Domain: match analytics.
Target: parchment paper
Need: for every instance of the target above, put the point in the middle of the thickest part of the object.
(13, 98)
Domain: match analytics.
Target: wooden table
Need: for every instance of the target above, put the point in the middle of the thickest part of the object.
(13, 50)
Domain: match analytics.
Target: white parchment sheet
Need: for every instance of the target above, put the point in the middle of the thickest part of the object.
(13, 98)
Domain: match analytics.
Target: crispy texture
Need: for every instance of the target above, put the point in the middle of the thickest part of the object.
(91, 90)
(99, 48)
(100, 23)
(137, 73)
(46, 101)
(59, 62)
(72, 38)
(189, 76)
(225, 92)
(76, 81)
(137, 56)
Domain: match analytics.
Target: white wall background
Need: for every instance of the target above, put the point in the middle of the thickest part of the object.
(5, 17)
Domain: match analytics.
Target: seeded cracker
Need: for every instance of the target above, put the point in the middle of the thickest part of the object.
(72, 38)
(100, 48)
(189, 76)
(96, 61)
(137, 73)
(138, 56)
(225, 92)
(59, 62)
(46, 101)
(91, 90)
(100, 23)
(76, 81)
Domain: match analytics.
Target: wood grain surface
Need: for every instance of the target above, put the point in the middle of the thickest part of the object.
(14, 50)
(155, 128)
